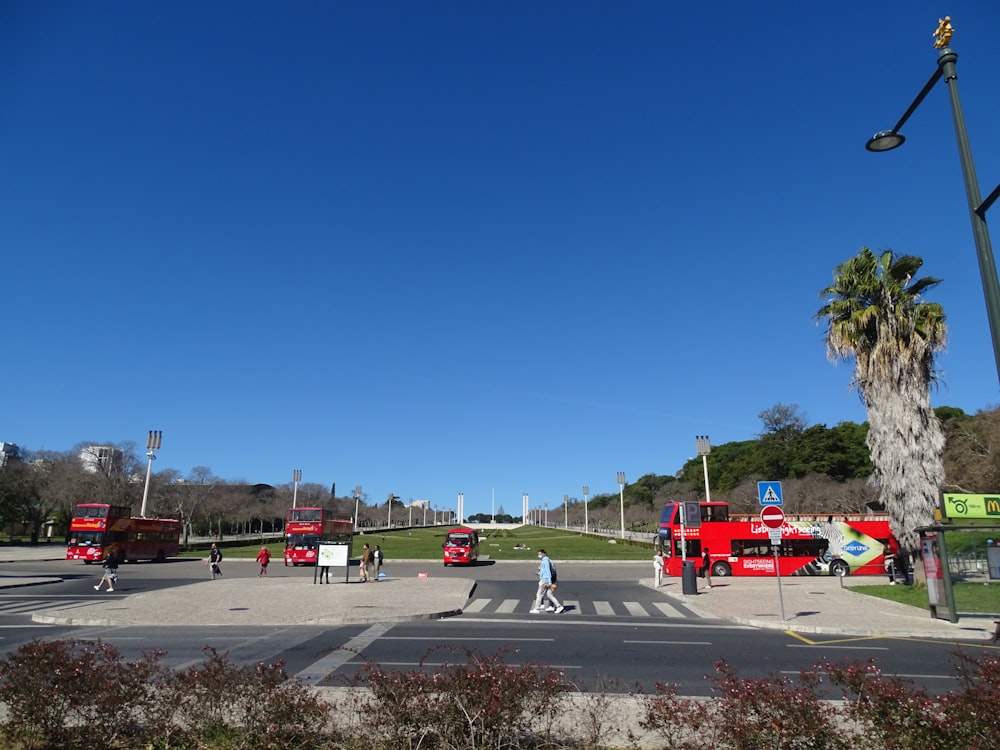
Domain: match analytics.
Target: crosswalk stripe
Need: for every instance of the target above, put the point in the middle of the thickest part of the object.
(668, 609)
(635, 609)
(604, 608)
(507, 606)
(476, 605)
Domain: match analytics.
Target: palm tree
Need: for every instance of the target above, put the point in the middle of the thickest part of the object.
(876, 315)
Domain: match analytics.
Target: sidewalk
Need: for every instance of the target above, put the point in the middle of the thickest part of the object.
(822, 605)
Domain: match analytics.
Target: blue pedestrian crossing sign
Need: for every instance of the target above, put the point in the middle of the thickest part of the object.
(769, 493)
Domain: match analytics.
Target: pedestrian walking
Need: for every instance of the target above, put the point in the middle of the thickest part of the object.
(706, 567)
(377, 558)
(546, 585)
(658, 561)
(110, 572)
(214, 561)
(263, 557)
(364, 567)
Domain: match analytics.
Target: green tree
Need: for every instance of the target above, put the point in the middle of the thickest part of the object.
(876, 315)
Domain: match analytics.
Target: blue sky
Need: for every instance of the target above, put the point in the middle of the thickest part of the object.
(442, 247)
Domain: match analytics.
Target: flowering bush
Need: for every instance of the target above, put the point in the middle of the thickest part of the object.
(478, 703)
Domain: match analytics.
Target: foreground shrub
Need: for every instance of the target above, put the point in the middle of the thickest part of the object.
(895, 715)
(478, 703)
(773, 712)
(221, 704)
(56, 692)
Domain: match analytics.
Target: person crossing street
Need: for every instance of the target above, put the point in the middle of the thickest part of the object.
(546, 585)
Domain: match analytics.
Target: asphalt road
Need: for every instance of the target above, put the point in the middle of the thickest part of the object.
(623, 636)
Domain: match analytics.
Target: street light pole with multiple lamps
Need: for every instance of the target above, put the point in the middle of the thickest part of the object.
(153, 441)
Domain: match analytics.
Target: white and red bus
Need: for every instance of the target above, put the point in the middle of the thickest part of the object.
(97, 529)
(813, 544)
(305, 528)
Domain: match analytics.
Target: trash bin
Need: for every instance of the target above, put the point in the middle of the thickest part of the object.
(689, 578)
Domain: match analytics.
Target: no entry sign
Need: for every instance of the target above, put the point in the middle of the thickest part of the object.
(772, 516)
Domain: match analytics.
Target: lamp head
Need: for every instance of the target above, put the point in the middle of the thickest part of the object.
(885, 140)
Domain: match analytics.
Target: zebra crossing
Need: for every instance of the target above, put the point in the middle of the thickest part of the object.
(577, 607)
(27, 605)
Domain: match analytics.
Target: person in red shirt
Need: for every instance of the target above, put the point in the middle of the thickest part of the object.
(263, 557)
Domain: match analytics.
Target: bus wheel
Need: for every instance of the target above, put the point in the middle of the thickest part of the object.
(721, 569)
(840, 568)
(160, 557)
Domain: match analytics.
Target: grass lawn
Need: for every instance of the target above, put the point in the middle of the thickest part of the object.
(425, 543)
(970, 597)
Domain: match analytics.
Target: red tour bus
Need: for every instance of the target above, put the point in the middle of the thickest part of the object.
(811, 544)
(305, 528)
(98, 528)
(461, 546)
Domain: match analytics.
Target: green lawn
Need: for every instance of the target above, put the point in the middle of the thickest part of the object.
(970, 597)
(425, 543)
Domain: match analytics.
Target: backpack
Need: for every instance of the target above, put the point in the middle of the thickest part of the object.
(552, 570)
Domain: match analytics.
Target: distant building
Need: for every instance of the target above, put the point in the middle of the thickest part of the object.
(9, 452)
(102, 458)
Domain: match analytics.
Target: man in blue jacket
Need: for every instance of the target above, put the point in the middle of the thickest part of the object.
(546, 584)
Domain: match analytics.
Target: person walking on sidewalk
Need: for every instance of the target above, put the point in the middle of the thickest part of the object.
(377, 560)
(706, 567)
(110, 572)
(658, 568)
(263, 557)
(546, 585)
(364, 567)
(214, 561)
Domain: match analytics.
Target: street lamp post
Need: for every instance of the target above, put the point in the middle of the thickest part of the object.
(704, 447)
(586, 521)
(566, 512)
(388, 522)
(461, 507)
(621, 498)
(153, 441)
(887, 140)
(296, 478)
(357, 501)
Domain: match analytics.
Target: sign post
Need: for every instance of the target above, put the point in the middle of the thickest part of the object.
(773, 518)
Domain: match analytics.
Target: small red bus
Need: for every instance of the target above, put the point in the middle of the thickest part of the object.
(810, 544)
(461, 546)
(99, 528)
(305, 528)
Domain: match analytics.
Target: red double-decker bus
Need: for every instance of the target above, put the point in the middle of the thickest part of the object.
(305, 528)
(99, 528)
(813, 544)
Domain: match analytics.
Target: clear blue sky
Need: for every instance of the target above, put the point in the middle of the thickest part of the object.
(432, 247)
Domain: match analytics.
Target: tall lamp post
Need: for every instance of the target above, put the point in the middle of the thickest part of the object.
(388, 522)
(357, 502)
(524, 508)
(461, 507)
(566, 512)
(586, 521)
(887, 140)
(153, 441)
(704, 447)
(296, 478)
(621, 498)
